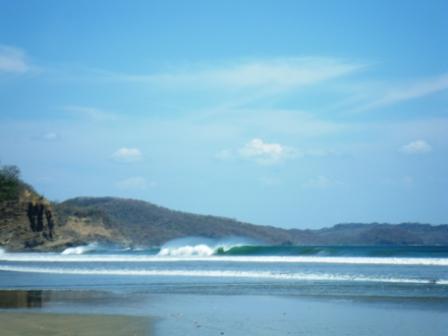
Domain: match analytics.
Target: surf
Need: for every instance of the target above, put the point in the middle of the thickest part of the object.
(115, 258)
(221, 274)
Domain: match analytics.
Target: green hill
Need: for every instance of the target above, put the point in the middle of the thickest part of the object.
(131, 222)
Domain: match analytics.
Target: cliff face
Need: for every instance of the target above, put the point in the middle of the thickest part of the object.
(27, 221)
(31, 222)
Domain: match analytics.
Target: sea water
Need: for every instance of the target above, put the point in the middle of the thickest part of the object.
(206, 287)
(227, 269)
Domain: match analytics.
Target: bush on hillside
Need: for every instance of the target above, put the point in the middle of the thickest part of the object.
(10, 183)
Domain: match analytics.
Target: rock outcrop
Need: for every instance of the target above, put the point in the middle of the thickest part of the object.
(26, 222)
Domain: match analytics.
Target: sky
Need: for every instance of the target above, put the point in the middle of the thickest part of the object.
(297, 114)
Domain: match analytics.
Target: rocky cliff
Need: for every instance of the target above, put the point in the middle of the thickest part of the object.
(29, 221)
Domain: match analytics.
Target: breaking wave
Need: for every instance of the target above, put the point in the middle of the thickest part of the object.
(240, 250)
(198, 246)
(80, 249)
(336, 251)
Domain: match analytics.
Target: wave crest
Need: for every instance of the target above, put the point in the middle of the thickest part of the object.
(199, 247)
(77, 250)
(200, 250)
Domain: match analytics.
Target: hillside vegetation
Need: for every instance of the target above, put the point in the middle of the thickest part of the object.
(131, 222)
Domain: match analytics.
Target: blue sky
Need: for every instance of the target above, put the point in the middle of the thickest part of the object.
(296, 114)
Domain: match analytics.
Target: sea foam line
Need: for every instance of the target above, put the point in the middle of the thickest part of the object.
(221, 274)
(111, 258)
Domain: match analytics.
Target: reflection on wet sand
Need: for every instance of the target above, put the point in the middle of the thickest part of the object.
(23, 299)
(38, 322)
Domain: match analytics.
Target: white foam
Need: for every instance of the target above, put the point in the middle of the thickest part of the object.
(201, 250)
(220, 274)
(80, 249)
(199, 246)
(110, 258)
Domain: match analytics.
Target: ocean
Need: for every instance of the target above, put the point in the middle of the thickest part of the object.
(405, 280)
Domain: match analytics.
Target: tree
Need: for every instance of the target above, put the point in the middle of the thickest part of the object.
(10, 183)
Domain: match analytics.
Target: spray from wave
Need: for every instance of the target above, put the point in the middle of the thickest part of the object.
(98, 248)
(77, 250)
(200, 247)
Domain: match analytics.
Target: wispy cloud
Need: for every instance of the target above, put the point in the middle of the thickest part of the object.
(13, 60)
(127, 155)
(89, 112)
(416, 147)
(417, 89)
(275, 73)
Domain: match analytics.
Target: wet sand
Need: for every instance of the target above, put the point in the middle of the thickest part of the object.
(98, 313)
(40, 324)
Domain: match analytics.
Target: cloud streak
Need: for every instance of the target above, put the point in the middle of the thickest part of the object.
(89, 112)
(275, 73)
(13, 60)
(279, 73)
(415, 90)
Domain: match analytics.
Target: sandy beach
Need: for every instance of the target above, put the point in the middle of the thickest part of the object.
(37, 324)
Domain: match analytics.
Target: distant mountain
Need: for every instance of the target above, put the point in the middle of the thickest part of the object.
(137, 223)
(144, 223)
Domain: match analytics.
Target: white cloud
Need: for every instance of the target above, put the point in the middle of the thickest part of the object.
(134, 183)
(261, 152)
(13, 60)
(416, 147)
(127, 155)
(266, 153)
